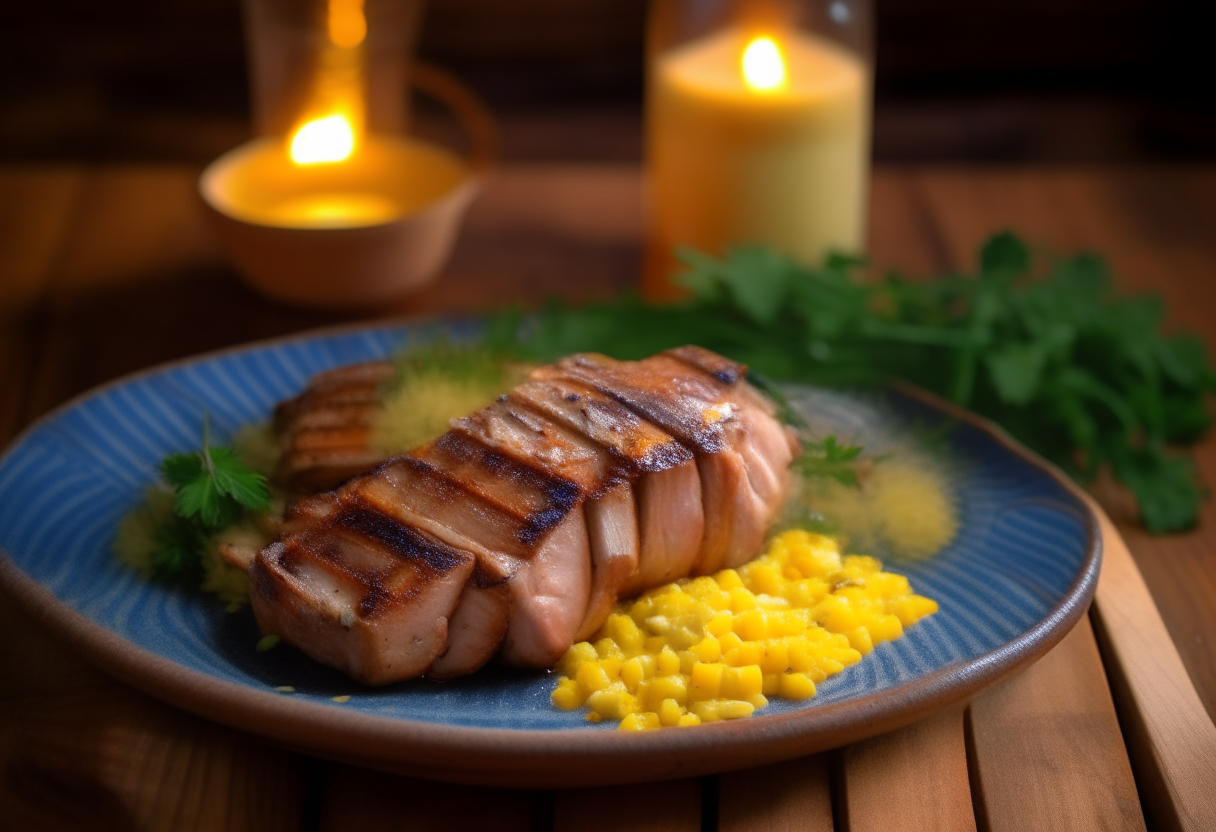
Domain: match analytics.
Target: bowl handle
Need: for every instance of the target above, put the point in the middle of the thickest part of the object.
(468, 108)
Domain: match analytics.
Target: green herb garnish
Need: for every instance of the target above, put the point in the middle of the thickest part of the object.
(829, 459)
(1041, 346)
(212, 489)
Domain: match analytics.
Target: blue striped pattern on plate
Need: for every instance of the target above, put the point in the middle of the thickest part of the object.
(67, 482)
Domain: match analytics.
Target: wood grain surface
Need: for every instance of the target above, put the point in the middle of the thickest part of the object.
(106, 270)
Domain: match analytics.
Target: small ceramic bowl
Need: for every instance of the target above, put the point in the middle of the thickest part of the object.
(352, 234)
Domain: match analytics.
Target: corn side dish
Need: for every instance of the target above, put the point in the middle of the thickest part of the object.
(716, 647)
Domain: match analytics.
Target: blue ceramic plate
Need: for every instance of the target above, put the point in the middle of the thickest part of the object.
(1021, 570)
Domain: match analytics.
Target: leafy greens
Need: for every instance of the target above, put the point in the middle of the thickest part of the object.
(213, 488)
(1084, 377)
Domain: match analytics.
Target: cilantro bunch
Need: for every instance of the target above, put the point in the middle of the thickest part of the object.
(1086, 378)
(213, 489)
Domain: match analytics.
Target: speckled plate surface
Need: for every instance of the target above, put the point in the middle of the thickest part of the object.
(1020, 572)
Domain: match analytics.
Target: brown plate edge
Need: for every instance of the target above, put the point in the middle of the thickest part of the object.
(559, 758)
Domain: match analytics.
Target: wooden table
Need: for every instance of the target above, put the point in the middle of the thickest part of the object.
(105, 270)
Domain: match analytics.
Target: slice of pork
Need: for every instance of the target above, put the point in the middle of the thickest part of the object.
(612, 532)
(362, 593)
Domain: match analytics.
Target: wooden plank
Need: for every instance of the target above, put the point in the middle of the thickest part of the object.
(36, 208)
(647, 807)
(81, 751)
(1172, 738)
(1046, 749)
(537, 231)
(1156, 229)
(372, 801)
(902, 235)
(788, 797)
(911, 779)
(120, 759)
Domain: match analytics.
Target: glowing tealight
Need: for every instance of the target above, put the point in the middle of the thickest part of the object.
(763, 66)
(329, 139)
(346, 23)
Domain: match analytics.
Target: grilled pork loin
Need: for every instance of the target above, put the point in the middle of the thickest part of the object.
(515, 533)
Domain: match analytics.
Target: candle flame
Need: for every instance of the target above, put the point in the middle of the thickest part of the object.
(346, 23)
(329, 139)
(763, 65)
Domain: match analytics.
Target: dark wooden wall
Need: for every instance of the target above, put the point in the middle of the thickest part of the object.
(957, 79)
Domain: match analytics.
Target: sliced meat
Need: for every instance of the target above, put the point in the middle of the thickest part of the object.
(324, 433)
(475, 630)
(601, 419)
(593, 480)
(612, 532)
(362, 593)
(671, 523)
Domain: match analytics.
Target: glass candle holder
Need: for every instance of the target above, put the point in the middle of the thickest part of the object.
(334, 204)
(758, 129)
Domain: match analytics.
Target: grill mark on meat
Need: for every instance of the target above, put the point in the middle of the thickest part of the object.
(721, 368)
(665, 396)
(527, 491)
(601, 419)
(396, 537)
(529, 438)
(507, 499)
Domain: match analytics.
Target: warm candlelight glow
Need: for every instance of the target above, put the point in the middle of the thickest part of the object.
(346, 24)
(763, 65)
(329, 139)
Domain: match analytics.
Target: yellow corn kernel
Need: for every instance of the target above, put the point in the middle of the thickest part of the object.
(593, 717)
(751, 625)
(775, 657)
(707, 649)
(720, 624)
(607, 648)
(729, 641)
(757, 700)
(667, 662)
(913, 608)
(885, 628)
(652, 692)
(772, 684)
(640, 722)
(622, 630)
(706, 681)
(765, 578)
(647, 661)
(796, 686)
(860, 640)
(653, 644)
(632, 673)
(728, 579)
(612, 703)
(718, 709)
(687, 660)
(670, 713)
(860, 563)
(835, 614)
(741, 599)
(591, 677)
(568, 695)
(575, 656)
(688, 720)
(749, 652)
(741, 682)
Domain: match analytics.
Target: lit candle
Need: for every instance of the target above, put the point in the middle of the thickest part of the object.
(329, 214)
(756, 138)
(329, 173)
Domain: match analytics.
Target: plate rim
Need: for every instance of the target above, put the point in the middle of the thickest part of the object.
(535, 758)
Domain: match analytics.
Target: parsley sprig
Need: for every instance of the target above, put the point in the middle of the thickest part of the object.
(213, 488)
(1042, 346)
(829, 459)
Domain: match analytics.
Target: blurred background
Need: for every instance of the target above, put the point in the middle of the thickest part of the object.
(957, 80)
